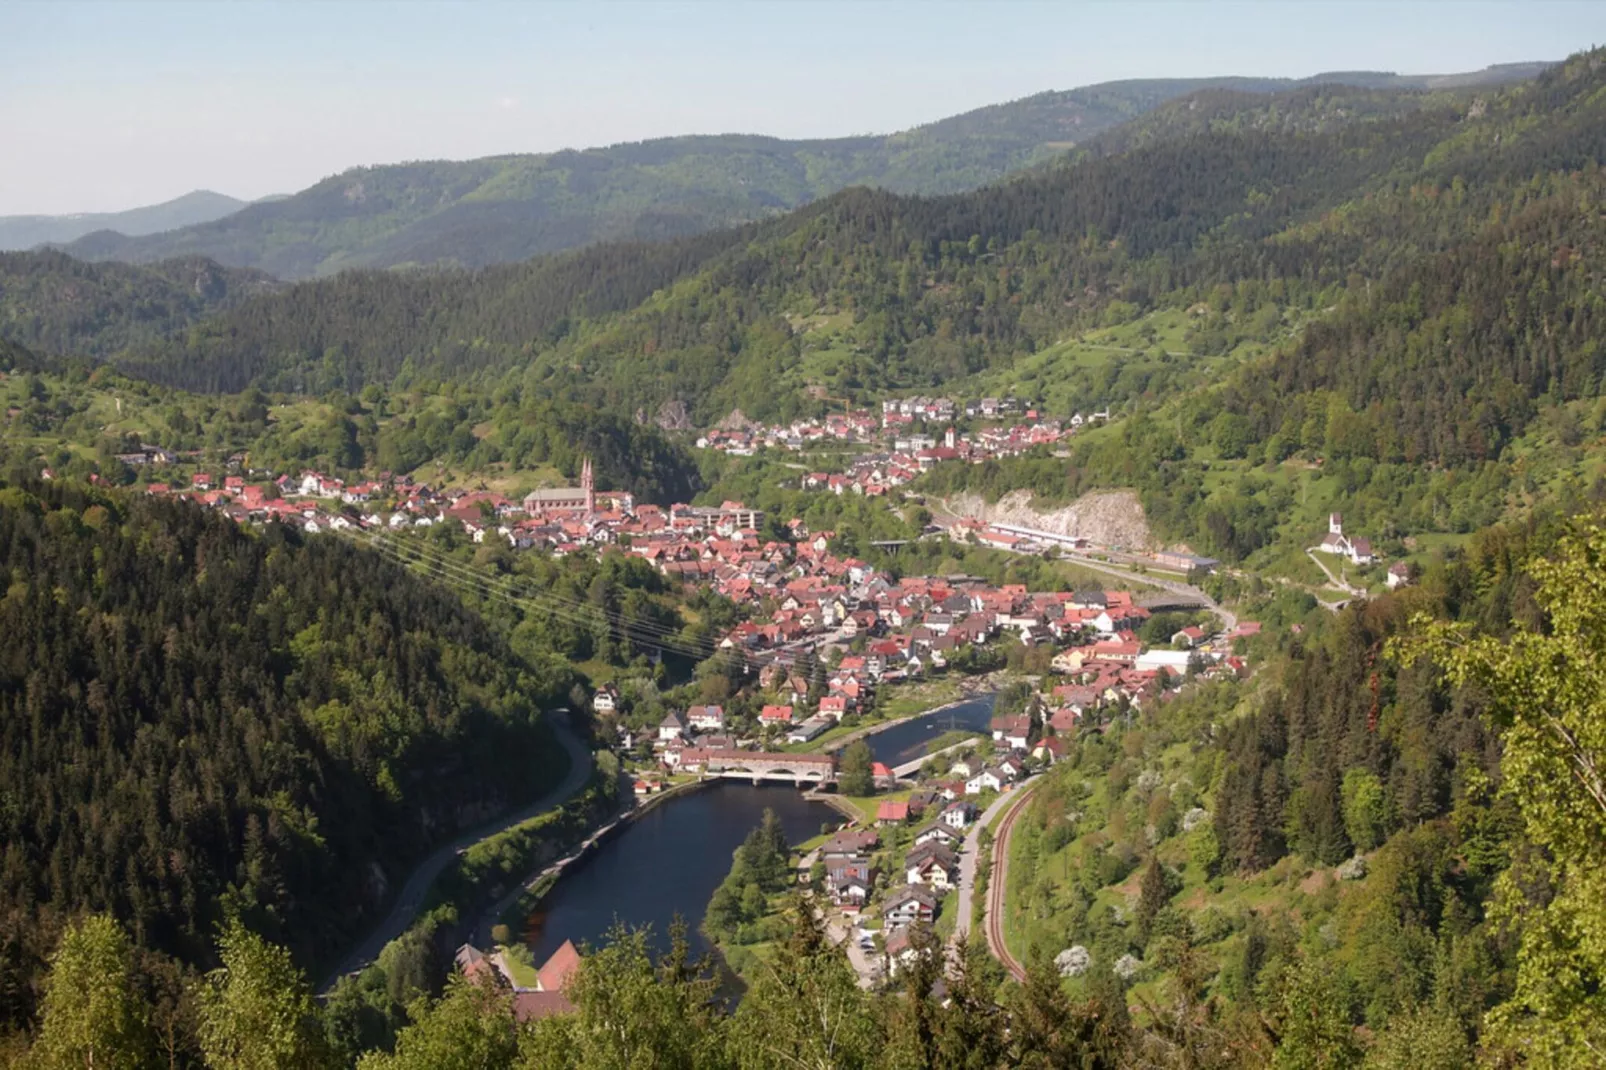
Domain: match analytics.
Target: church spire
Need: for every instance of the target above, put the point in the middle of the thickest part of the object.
(588, 484)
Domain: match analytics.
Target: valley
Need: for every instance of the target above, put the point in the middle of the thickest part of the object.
(1107, 580)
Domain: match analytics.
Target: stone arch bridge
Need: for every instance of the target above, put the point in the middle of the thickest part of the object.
(757, 766)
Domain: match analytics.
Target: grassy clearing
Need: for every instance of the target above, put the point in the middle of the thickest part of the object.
(867, 805)
(523, 972)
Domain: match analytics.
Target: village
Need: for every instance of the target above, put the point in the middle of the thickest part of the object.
(897, 867)
(896, 452)
(890, 869)
(884, 629)
(824, 636)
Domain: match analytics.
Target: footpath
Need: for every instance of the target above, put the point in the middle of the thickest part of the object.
(410, 900)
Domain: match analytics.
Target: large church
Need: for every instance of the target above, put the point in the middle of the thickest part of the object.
(581, 500)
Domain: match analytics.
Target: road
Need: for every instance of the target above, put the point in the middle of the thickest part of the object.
(996, 885)
(1229, 620)
(411, 897)
(1342, 585)
(840, 932)
(968, 857)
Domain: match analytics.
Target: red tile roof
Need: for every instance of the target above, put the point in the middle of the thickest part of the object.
(557, 969)
(892, 811)
(530, 1006)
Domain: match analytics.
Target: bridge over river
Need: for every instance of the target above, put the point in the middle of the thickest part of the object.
(759, 766)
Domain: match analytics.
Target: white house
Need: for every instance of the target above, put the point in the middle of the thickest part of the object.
(706, 718)
(908, 905)
(941, 833)
(958, 815)
(986, 780)
(934, 871)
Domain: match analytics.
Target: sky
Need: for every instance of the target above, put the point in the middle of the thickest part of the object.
(105, 106)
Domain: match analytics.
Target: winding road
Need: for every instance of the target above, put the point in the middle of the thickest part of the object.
(410, 900)
(1341, 584)
(969, 856)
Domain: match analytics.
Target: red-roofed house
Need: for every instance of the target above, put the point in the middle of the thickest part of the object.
(892, 813)
(1188, 637)
(776, 715)
(557, 970)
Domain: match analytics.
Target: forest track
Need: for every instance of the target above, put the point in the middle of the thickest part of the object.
(410, 900)
(1335, 581)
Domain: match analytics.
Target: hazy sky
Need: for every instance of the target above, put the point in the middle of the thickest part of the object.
(109, 105)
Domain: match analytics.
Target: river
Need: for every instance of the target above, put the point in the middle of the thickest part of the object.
(670, 860)
(907, 741)
(667, 862)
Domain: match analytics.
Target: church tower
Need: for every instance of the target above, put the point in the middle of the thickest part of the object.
(588, 484)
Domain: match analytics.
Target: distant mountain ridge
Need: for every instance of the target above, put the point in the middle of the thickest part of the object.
(197, 206)
(500, 209)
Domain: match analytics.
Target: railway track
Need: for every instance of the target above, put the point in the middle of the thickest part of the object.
(997, 882)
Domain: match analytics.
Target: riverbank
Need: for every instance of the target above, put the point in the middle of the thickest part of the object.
(421, 892)
(837, 803)
(522, 902)
(655, 864)
(580, 894)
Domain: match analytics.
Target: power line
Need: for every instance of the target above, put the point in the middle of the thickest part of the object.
(644, 633)
(579, 613)
(546, 601)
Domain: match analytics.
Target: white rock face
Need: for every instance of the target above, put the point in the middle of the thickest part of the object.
(1107, 517)
(1073, 961)
(1353, 870)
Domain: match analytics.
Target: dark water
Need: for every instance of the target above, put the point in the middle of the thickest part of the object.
(667, 862)
(907, 741)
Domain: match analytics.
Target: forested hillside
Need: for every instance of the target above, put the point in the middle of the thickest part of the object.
(198, 721)
(508, 208)
(1287, 196)
(935, 289)
(1171, 888)
(56, 304)
(1355, 853)
(75, 416)
(1312, 278)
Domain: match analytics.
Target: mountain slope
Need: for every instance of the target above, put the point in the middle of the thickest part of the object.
(197, 206)
(196, 720)
(906, 292)
(54, 303)
(1409, 281)
(509, 208)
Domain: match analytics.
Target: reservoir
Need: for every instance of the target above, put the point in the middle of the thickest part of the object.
(667, 862)
(670, 860)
